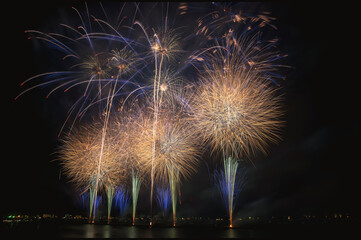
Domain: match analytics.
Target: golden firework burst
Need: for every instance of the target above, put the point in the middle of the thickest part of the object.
(236, 109)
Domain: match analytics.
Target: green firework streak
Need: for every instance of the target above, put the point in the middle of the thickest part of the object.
(173, 183)
(136, 182)
(91, 200)
(230, 171)
(110, 194)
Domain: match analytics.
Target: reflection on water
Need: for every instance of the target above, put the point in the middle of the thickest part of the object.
(78, 230)
(132, 232)
(231, 233)
(89, 231)
(26, 230)
(172, 232)
(112, 231)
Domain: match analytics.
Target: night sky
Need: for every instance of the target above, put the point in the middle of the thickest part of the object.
(313, 170)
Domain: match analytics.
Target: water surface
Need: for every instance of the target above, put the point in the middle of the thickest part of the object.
(83, 230)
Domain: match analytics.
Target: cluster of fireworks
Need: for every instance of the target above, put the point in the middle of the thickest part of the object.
(147, 124)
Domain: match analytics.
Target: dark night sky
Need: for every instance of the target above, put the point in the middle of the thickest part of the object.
(313, 170)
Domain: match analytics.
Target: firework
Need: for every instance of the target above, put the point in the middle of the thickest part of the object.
(136, 182)
(163, 47)
(97, 62)
(99, 69)
(236, 109)
(119, 128)
(218, 18)
(229, 184)
(175, 145)
(109, 189)
(173, 183)
(79, 156)
(163, 197)
(103, 61)
(88, 198)
(121, 199)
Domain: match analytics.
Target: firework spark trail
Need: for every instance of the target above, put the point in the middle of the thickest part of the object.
(136, 182)
(109, 189)
(91, 200)
(123, 128)
(230, 171)
(93, 68)
(173, 182)
(98, 67)
(155, 120)
(111, 94)
(104, 130)
(164, 46)
(230, 182)
(217, 18)
(94, 207)
(120, 128)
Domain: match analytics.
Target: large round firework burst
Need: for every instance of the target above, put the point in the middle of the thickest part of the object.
(236, 108)
(79, 157)
(121, 132)
(176, 147)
